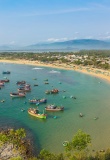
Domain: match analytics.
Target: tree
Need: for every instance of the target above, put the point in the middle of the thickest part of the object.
(46, 155)
(77, 148)
(16, 158)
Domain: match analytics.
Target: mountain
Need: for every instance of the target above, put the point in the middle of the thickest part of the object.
(70, 45)
(9, 47)
(73, 44)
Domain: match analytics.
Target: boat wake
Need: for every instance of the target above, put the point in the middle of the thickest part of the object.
(37, 68)
(53, 71)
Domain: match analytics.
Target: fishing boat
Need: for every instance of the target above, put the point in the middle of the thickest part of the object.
(6, 72)
(53, 107)
(4, 80)
(46, 82)
(24, 89)
(13, 94)
(20, 82)
(48, 92)
(80, 114)
(38, 101)
(2, 84)
(53, 91)
(24, 86)
(35, 112)
(35, 84)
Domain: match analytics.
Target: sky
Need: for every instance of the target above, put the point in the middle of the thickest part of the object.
(26, 22)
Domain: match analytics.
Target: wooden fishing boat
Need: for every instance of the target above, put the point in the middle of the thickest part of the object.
(37, 101)
(53, 107)
(20, 82)
(24, 86)
(13, 94)
(48, 92)
(6, 72)
(4, 80)
(35, 112)
(53, 91)
(46, 82)
(35, 84)
(2, 84)
(24, 89)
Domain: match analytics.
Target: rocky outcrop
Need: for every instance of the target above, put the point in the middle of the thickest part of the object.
(7, 151)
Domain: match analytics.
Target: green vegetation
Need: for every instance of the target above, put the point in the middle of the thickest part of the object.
(16, 138)
(77, 149)
(16, 158)
(95, 58)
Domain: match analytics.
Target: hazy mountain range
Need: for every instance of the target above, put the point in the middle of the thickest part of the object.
(64, 46)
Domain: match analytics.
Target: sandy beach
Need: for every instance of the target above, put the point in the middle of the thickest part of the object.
(103, 74)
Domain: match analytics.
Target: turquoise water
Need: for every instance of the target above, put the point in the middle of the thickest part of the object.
(92, 99)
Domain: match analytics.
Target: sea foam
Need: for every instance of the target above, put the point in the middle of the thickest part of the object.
(53, 71)
(37, 68)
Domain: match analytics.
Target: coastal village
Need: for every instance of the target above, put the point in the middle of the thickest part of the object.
(96, 63)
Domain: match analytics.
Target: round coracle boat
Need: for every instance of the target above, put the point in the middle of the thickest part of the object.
(65, 143)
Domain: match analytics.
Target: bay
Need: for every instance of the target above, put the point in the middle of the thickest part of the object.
(92, 100)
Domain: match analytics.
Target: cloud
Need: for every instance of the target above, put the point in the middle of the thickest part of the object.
(56, 39)
(107, 33)
(54, 12)
(89, 37)
(100, 6)
(107, 37)
(12, 42)
(76, 33)
(104, 36)
(90, 7)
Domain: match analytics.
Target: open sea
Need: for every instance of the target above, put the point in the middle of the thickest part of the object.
(92, 100)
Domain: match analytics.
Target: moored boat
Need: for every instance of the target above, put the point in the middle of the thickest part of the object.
(80, 114)
(53, 107)
(37, 101)
(4, 80)
(53, 91)
(35, 84)
(2, 84)
(65, 143)
(13, 94)
(20, 82)
(6, 72)
(24, 89)
(46, 82)
(48, 92)
(24, 86)
(35, 112)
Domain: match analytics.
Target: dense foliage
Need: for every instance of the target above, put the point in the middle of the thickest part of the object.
(77, 149)
(95, 58)
(18, 140)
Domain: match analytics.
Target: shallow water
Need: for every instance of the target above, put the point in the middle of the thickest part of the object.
(92, 99)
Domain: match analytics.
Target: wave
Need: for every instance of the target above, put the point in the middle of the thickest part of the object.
(53, 71)
(37, 68)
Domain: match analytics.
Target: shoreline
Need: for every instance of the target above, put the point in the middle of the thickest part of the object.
(100, 73)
